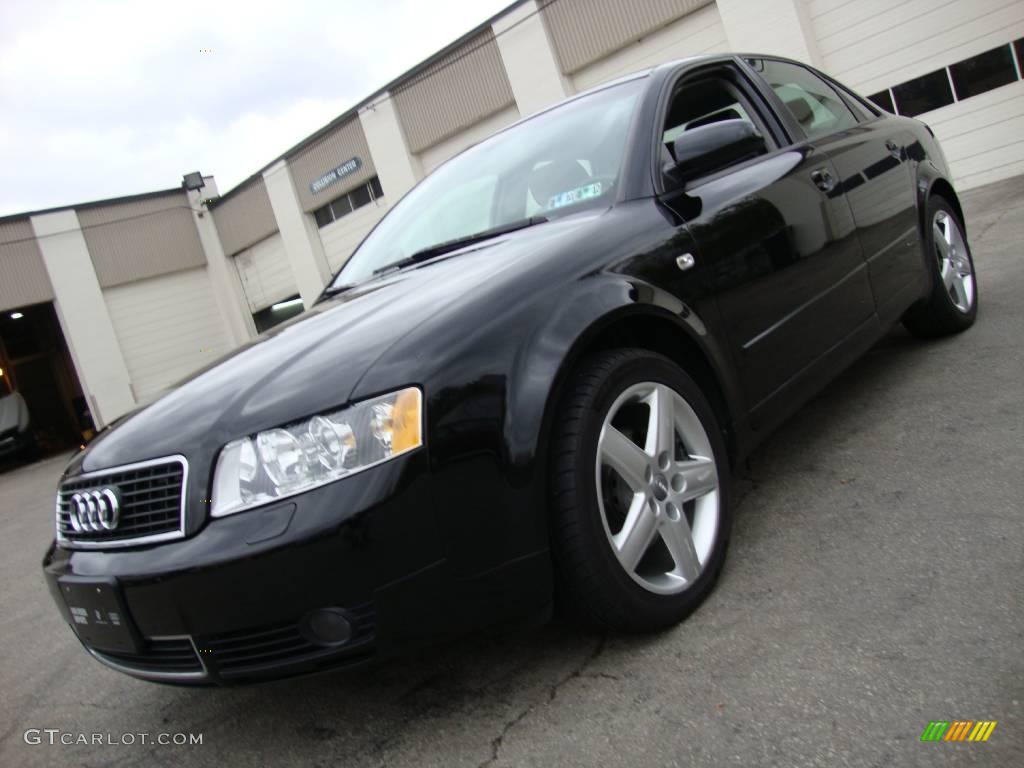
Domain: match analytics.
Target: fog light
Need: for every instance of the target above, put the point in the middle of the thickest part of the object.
(327, 626)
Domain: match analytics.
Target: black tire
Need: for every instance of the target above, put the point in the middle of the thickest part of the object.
(592, 584)
(938, 315)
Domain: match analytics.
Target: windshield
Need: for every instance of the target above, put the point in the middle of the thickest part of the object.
(554, 164)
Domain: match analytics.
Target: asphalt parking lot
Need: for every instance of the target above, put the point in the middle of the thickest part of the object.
(875, 583)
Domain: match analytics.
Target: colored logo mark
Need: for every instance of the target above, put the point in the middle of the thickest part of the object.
(958, 730)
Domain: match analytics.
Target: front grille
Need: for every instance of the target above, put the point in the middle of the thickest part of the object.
(151, 503)
(171, 657)
(246, 651)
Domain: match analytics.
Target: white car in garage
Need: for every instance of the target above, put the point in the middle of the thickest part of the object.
(15, 436)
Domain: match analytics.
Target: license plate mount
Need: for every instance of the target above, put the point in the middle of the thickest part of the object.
(97, 613)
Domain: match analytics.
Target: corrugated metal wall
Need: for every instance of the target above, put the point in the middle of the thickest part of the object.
(23, 278)
(582, 31)
(245, 218)
(448, 148)
(327, 153)
(698, 32)
(137, 239)
(456, 91)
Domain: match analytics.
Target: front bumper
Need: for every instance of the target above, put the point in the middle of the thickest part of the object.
(233, 602)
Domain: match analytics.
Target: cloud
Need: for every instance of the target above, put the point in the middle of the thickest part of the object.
(114, 98)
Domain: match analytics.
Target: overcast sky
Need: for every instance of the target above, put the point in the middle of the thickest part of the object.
(102, 99)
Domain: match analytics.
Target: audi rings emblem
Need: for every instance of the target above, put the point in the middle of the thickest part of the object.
(94, 511)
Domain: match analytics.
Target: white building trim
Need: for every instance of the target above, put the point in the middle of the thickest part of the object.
(83, 316)
(299, 233)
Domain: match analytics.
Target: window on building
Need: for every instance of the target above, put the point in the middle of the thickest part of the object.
(323, 216)
(884, 100)
(812, 102)
(342, 207)
(923, 94)
(962, 80)
(362, 195)
(983, 72)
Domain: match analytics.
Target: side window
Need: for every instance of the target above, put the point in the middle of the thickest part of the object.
(703, 102)
(810, 100)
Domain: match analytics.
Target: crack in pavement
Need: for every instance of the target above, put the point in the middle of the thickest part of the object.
(988, 227)
(498, 741)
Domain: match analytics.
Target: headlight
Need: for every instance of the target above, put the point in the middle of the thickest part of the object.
(291, 459)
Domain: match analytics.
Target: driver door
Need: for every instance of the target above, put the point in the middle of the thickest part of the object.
(778, 243)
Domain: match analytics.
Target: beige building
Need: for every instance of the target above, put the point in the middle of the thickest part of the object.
(124, 297)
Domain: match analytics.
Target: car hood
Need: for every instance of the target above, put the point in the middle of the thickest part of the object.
(314, 362)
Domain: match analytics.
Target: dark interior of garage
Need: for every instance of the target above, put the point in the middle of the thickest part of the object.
(36, 364)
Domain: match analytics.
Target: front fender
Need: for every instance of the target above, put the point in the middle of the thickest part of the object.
(555, 346)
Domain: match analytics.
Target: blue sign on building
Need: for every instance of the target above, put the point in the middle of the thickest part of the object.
(337, 174)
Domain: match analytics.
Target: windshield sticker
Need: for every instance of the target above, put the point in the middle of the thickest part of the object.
(575, 195)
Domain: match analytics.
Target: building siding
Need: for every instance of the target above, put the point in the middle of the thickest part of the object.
(167, 327)
(23, 278)
(266, 273)
(983, 137)
(474, 134)
(137, 239)
(873, 44)
(327, 153)
(244, 218)
(341, 237)
(583, 31)
(458, 90)
(696, 33)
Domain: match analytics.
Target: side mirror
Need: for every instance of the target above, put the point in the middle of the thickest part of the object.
(702, 150)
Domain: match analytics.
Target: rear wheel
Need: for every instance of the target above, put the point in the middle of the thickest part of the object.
(953, 303)
(640, 493)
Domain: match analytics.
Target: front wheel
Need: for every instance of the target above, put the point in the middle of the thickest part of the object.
(953, 303)
(639, 492)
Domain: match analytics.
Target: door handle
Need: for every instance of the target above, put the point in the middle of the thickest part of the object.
(823, 179)
(894, 149)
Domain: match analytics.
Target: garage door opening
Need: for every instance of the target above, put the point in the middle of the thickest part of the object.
(37, 367)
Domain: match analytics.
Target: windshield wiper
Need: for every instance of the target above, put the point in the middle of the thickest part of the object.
(333, 290)
(460, 242)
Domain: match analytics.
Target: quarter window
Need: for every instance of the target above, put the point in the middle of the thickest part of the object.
(812, 102)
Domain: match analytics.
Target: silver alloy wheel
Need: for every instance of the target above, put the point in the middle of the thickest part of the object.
(657, 489)
(954, 263)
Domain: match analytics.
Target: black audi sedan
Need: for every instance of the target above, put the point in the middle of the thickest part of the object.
(534, 377)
